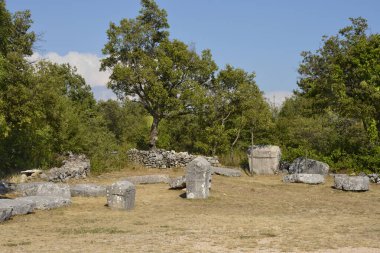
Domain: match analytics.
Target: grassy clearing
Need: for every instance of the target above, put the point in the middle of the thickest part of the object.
(247, 214)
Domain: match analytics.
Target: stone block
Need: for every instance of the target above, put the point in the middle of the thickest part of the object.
(148, 179)
(304, 178)
(303, 165)
(264, 160)
(198, 176)
(121, 195)
(47, 202)
(351, 183)
(88, 190)
(226, 172)
(19, 206)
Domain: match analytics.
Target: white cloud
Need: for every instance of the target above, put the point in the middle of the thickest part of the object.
(277, 97)
(87, 65)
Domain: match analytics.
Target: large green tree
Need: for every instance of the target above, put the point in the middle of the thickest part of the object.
(343, 75)
(163, 75)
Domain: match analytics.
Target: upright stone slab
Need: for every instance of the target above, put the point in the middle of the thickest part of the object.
(264, 159)
(121, 195)
(198, 175)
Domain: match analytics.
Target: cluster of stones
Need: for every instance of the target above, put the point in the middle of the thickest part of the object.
(374, 178)
(74, 166)
(164, 159)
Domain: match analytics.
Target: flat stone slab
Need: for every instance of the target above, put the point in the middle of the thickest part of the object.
(304, 178)
(44, 189)
(5, 213)
(121, 195)
(226, 172)
(303, 165)
(148, 179)
(19, 206)
(351, 183)
(177, 182)
(88, 190)
(47, 202)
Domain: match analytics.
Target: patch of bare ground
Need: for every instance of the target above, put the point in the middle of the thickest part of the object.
(247, 214)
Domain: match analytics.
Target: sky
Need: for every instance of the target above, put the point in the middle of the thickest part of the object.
(261, 36)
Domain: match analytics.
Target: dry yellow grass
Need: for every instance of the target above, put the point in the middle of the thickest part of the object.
(247, 214)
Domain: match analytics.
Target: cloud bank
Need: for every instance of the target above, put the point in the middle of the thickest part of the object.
(87, 65)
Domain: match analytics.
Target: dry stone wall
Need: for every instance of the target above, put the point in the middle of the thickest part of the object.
(165, 159)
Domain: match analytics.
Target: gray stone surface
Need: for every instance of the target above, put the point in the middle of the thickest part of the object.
(6, 187)
(264, 159)
(308, 166)
(88, 190)
(351, 183)
(47, 202)
(226, 172)
(121, 195)
(198, 176)
(75, 166)
(177, 182)
(148, 179)
(374, 178)
(19, 206)
(5, 213)
(304, 178)
(44, 189)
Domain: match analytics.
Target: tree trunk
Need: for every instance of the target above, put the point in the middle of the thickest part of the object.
(154, 133)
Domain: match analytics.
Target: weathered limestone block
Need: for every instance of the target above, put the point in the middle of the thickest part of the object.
(264, 160)
(47, 202)
(177, 182)
(88, 190)
(226, 172)
(351, 183)
(19, 206)
(308, 166)
(304, 178)
(44, 189)
(198, 175)
(148, 179)
(5, 213)
(121, 195)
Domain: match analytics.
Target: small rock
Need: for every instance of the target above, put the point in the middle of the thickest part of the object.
(177, 182)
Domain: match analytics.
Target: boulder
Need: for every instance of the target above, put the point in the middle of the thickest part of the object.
(88, 190)
(148, 179)
(75, 166)
(264, 159)
(304, 178)
(5, 213)
(226, 172)
(304, 165)
(177, 182)
(44, 189)
(121, 195)
(198, 176)
(19, 206)
(47, 202)
(351, 183)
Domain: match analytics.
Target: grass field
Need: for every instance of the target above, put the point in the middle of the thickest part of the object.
(247, 214)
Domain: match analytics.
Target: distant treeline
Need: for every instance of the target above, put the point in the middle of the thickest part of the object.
(172, 98)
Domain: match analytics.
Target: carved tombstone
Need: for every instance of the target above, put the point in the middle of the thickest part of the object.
(198, 175)
(264, 160)
(121, 195)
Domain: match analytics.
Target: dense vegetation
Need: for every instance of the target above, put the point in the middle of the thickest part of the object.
(174, 98)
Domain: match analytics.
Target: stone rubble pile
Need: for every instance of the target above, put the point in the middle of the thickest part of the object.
(164, 159)
(75, 166)
(374, 178)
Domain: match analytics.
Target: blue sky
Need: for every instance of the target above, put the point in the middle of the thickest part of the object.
(264, 36)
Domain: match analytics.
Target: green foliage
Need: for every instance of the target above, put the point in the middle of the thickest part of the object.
(162, 74)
